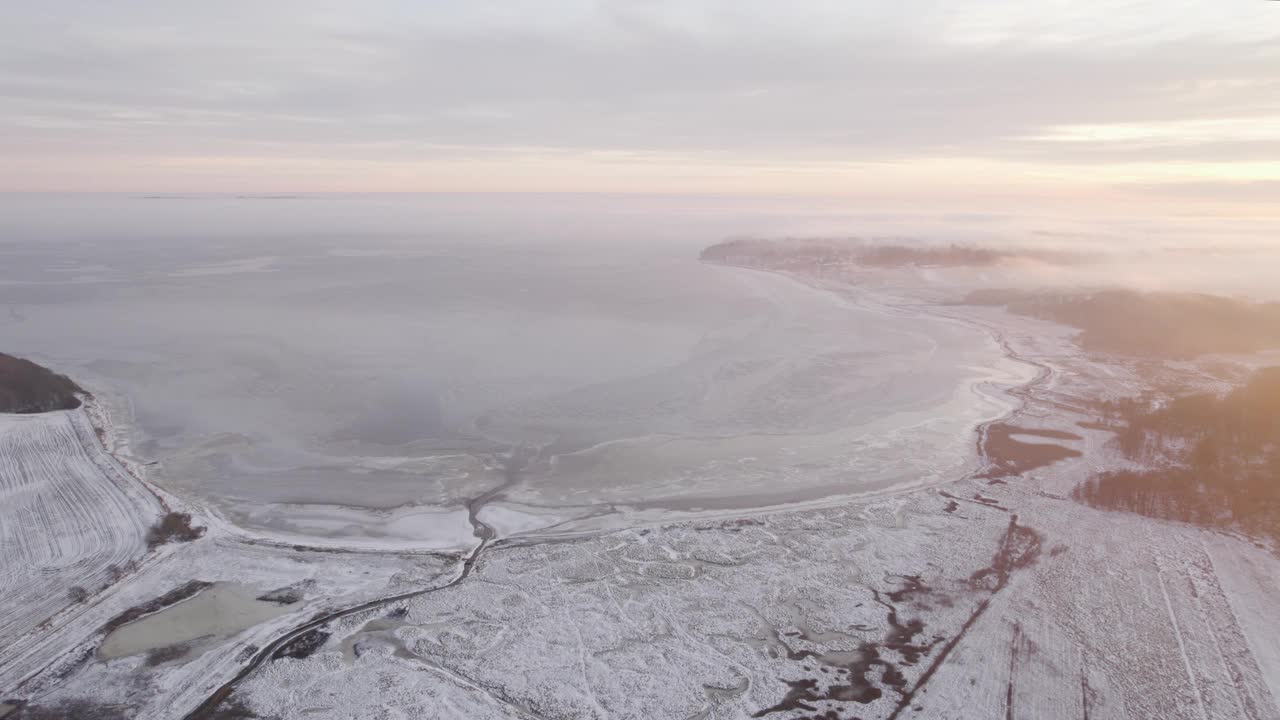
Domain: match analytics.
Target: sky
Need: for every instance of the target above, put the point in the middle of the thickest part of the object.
(1095, 102)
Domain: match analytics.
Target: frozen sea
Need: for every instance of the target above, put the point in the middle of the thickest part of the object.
(277, 356)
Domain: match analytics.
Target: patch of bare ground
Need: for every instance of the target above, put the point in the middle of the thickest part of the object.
(303, 645)
(1009, 457)
(26, 387)
(173, 527)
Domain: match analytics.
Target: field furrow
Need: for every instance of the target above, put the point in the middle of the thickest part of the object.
(70, 521)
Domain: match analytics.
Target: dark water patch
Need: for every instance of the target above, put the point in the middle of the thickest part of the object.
(865, 674)
(902, 633)
(799, 695)
(806, 694)
(912, 587)
(914, 590)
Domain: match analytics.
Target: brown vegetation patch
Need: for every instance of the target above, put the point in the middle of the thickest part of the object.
(1156, 325)
(173, 597)
(173, 527)
(303, 645)
(1215, 460)
(1008, 457)
(26, 387)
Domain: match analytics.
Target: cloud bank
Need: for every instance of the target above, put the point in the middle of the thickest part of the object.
(1060, 98)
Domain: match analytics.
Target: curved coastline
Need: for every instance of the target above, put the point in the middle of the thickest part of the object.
(1014, 396)
(1019, 392)
(1008, 394)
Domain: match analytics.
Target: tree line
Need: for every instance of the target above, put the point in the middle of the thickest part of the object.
(1210, 460)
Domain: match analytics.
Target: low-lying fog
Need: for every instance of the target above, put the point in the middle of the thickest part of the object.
(383, 350)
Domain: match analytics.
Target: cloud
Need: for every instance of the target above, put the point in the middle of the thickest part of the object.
(1258, 191)
(760, 82)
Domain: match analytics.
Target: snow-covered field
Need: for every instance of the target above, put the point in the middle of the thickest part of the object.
(168, 680)
(73, 517)
(71, 523)
(1115, 618)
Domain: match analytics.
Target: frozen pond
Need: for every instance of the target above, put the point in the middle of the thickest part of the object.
(219, 610)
